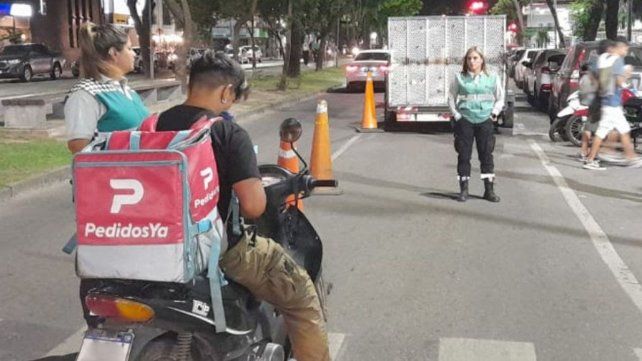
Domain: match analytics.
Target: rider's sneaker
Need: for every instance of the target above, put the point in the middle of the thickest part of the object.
(593, 165)
(581, 157)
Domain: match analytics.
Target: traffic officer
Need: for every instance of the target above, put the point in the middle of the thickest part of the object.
(476, 98)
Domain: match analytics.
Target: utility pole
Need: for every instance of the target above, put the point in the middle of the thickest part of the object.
(337, 47)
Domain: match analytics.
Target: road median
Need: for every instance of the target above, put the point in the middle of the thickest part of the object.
(30, 162)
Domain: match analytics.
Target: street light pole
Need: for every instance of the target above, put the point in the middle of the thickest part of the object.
(336, 52)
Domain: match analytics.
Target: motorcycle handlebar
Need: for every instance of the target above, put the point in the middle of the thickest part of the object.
(324, 183)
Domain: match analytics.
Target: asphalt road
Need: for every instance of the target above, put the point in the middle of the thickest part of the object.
(550, 273)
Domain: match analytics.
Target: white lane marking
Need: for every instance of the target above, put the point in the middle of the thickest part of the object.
(638, 353)
(345, 147)
(70, 345)
(600, 240)
(467, 349)
(336, 341)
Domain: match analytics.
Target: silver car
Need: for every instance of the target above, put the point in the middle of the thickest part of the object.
(374, 61)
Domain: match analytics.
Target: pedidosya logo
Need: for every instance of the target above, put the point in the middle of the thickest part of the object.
(208, 175)
(135, 194)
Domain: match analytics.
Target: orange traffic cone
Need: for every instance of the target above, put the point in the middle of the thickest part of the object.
(289, 160)
(369, 118)
(321, 157)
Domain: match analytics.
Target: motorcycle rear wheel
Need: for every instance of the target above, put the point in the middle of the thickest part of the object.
(573, 129)
(162, 349)
(555, 130)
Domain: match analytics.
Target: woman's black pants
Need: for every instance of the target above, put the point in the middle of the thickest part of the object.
(483, 135)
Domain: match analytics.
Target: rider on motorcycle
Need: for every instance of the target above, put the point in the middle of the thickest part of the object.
(259, 264)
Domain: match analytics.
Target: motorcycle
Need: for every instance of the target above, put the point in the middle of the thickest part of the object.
(152, 321)
(569, 123)
(632, 106)
(573, 111)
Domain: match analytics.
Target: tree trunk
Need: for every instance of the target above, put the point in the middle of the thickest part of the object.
(520, 21)
(611, 21)
(322, 53)
(142, 28)
(283, 83)
(295, 53)
(235, 38)
(595, 15)
(183, 51)
(561, 43)
(253, 44)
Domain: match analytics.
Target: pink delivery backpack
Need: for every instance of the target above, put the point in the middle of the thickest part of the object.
(146, 207)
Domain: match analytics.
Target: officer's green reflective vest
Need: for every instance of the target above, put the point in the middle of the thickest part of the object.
(476, 96)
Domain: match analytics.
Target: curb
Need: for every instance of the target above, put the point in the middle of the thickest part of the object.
(64, 173)
(39, 181)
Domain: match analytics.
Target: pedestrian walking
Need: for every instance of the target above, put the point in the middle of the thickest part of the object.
(475, 99)
(102, 101)
(612, 78)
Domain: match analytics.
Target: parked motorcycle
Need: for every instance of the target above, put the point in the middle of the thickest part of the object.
(632, 106)
(574, 110)
(152, 321)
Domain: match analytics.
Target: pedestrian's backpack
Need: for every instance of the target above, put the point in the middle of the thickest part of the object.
(146, 207)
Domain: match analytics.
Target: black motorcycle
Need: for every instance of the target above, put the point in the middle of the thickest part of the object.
(152, 321)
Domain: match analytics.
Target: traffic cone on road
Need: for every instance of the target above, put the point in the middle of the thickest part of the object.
(369, 117)
(289, 160)
(321, 157)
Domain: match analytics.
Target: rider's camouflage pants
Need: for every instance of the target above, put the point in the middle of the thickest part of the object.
(263, 267)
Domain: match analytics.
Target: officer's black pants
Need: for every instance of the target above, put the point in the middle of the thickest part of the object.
(483, 134)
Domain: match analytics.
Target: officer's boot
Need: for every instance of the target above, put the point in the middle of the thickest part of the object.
(489, 193)
(463, 190)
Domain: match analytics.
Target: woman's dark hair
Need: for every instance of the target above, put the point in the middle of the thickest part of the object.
(604, 45)
(95, 43)
(474, 49)
(212, 70)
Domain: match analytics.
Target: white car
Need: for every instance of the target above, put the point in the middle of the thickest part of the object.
(245, 53)
(520, 69)
(375, 61)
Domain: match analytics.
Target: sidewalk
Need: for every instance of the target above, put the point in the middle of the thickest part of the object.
(261, 99)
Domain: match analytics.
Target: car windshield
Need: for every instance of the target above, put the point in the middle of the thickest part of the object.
(373, 56)
(634, 57)
(14, 50)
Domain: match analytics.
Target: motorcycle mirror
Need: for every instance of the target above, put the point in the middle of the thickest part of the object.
(290, 130)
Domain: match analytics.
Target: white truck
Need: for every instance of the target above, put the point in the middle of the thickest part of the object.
(427, 52)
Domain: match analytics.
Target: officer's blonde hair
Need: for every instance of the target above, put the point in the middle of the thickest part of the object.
(474, 49)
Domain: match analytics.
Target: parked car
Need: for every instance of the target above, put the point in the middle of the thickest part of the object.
(539, 76)
(520, 70)
(26, 60)
(246, 53)
(241, 58)
(375, 61)
(511, 60)
(567, 79)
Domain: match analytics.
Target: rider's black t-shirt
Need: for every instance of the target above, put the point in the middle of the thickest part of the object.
(233, 150)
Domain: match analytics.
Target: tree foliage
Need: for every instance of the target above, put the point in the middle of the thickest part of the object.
(587, 15)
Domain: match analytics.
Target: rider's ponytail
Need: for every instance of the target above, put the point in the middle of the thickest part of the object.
(96, 42)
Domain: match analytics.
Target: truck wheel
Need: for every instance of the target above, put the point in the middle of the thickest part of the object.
(27, 73)
(390, 120)
(56, 72)
(507, 116)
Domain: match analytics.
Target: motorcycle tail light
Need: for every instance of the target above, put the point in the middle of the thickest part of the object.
(118, 308)
(547, 86)
(626, 95)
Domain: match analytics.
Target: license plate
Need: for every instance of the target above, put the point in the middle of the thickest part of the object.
(103, 345)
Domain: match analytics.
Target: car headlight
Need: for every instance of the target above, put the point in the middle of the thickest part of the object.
(13, 61)
(172, 57)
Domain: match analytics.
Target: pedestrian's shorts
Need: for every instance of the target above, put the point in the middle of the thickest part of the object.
(612, 118)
